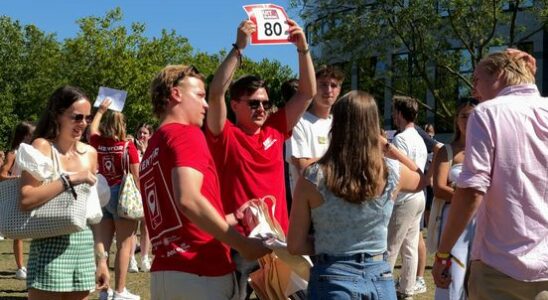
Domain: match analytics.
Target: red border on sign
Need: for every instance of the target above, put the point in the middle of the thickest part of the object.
(252, 18)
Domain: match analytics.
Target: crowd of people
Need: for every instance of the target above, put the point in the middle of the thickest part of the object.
(354, 200)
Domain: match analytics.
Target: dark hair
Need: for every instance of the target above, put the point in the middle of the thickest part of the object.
(22, 130)
(330, 71)
(407, 106)
(246, 85)
(353, 165)
(463, 103)
(165, 80)
(145, 125)
(289, 88)
(60, 100)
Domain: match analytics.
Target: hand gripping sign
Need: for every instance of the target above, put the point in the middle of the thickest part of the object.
(271, 22)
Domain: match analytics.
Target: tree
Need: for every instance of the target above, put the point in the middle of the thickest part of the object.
(103, 53)
(429, 46)
(28, 71)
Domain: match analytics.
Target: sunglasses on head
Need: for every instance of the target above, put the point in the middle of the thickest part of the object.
(185, 72)
(254, 104)
(81, 117)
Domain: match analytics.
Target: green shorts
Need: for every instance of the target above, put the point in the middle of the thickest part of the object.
(63, 263)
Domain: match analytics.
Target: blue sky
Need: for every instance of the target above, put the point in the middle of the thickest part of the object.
(210, 25)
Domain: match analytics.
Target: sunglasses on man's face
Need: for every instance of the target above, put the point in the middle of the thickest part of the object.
(80, 117)
(254, 104)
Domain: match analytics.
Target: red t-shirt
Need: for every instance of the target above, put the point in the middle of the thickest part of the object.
(251, 166)
(109, 157)
(177, 243)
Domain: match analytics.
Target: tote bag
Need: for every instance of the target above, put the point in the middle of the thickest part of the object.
(434, 220)
(61, 215)
(130, 205)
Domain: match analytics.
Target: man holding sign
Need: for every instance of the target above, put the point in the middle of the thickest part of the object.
(248, 154)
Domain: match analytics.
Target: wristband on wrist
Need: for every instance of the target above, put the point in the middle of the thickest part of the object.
(303, 51)
(65, 181)
(101, 255)
(443, 258)
(238, 53)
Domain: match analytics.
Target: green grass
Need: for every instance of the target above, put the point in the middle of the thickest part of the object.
(138, 283)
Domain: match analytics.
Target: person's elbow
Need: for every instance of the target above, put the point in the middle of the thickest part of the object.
(26, 200)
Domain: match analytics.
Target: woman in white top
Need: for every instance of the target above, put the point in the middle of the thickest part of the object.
(22, 134)
(447, 166)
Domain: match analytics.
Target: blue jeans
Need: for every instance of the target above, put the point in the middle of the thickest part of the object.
(350, 277)
(110, 211)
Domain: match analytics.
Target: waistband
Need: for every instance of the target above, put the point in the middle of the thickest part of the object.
(358, 257)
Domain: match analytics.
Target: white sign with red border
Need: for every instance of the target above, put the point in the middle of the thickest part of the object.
(271, 22)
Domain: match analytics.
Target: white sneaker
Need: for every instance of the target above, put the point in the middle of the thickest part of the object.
(106, 295)
(1, 238)
(133, 268)
(21, 273)
(125, 295)
(145, 264)
(420, 286)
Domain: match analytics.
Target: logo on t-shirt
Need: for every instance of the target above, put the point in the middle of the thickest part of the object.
(152, 203)
(269, 142)
(108, 166)
(322, 140)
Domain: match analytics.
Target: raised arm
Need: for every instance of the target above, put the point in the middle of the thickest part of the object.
(94, 126)
(298, 104)
(216, 114)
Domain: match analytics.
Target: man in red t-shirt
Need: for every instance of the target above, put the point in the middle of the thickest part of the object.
(180, 191)
(249, 154)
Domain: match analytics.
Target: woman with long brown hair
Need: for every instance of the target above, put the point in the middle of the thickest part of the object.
(62, 267)
(447, 168)
(348, 197)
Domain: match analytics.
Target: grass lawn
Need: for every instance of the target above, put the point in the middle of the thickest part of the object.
(138, 283)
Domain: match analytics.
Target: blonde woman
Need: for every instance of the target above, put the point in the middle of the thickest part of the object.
(109, 138)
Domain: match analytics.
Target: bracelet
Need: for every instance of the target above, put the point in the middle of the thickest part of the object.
(304, 51)
(443, 258)
(101, 255)
(238, 52)
(65, 181)
(443, 255)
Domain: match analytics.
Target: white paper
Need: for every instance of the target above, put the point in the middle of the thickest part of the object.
(271, 22)
(118, 98)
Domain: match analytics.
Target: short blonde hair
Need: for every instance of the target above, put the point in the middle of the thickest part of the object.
(513, 70)
(167, 78)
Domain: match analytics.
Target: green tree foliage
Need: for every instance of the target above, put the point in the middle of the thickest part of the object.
(103, 53)
(428, 46)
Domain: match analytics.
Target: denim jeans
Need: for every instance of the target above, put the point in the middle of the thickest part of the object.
(340, 277)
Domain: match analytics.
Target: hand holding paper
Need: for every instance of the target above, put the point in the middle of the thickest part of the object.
(118, 98)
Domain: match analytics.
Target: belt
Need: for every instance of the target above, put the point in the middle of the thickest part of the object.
(358, 257)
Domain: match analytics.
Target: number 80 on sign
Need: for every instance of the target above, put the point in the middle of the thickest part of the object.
(271, 22)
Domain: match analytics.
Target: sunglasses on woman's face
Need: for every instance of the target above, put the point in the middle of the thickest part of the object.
(254, 104)
(80, 117)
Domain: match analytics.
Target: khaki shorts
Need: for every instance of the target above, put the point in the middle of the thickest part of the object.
(487, 283)
(174, 285)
